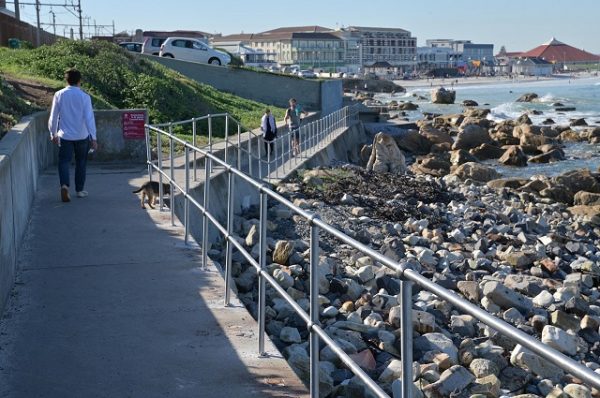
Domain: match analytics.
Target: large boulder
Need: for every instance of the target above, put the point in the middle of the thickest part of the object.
(476, 171)
(514, 156)
(435, 136)
(578, 180)
(586, 198)
(527, 97)
(531, 142)
(443, 96)
(554, 155)
(572, 135)
(408, 106)
(522, 129)
(468, 102)
(471, 137)
(386, 157)
(414, 142)
(437, 166)
(487, 151)
(448, 121)
(461, 156)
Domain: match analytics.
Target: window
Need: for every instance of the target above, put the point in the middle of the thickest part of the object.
(199, 46)
(157, 42)
(179, 43)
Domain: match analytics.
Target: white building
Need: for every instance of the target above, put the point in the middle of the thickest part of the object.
(434, 57)
(532, 67)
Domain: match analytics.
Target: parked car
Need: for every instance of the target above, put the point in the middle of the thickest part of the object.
(307, 74)
(192, 50)
(152, 45)
(132, 46)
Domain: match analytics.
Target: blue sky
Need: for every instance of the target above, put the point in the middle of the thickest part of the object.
(518, 24)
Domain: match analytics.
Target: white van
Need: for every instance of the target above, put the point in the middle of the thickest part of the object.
(192, 50)
(152, 45)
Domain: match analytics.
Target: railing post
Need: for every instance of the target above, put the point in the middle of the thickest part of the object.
(406, 336)
(229, 246)
(210, 138)
(226, 137)
(250, 153)
(186, 208)
(195, 144)
(172, 176)
(239, 147)
(149, 152)
(262, 299)
(314, 311)
(268, 150)
(160, 175)
(259, 142)
(207, 167)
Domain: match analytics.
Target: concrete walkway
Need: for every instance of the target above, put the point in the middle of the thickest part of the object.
(110, 303)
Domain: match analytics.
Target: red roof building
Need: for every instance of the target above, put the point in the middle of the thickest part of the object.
(558, 52)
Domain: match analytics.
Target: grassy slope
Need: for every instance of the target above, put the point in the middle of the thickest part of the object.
(11, 107)
(117, 79)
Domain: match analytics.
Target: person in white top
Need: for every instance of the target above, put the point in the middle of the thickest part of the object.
(269, 131)
(73, 128)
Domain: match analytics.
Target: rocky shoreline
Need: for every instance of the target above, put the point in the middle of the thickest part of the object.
(525, 258)
(525, 250)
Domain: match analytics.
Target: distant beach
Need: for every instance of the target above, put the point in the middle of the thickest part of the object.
(487, 80)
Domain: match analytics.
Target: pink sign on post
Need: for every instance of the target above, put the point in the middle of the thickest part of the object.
(133, 125)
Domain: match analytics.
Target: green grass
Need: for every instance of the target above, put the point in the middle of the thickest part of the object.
(117, 79)
(12, 107)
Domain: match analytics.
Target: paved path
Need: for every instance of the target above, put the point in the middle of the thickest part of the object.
(110, 303)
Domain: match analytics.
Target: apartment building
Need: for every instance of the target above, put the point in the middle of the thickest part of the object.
(464, 50)
(318, 46)
(310, 46)
(393, 45)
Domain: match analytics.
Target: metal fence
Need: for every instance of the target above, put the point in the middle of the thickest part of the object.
(317, 226)
(247, 149)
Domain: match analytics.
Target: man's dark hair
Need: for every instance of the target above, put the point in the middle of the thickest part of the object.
(72, 76)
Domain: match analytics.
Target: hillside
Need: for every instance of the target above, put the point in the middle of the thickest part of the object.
(118, 79)
(12, 106)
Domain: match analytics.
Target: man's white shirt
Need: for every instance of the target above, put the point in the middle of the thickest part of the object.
(72, 116)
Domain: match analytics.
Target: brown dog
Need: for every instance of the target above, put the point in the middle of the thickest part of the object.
(151, 190)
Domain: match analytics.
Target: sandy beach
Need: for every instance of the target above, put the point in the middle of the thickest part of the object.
(486, 80)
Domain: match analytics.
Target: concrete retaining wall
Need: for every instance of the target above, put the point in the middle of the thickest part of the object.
(269, 88)
(25, 151)
(346, 148)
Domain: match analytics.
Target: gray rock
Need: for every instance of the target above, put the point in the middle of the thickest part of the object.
(577, 391)
(559, 339)
(290, 335)
(284, 279)
(365, 273)
(507, 298)
(253, 236)
(247, 279)
(544, 299)
(483, 367)
(452, 381)
(527, 360)
(437, 342)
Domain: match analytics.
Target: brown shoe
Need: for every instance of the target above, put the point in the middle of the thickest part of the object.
(64, 194)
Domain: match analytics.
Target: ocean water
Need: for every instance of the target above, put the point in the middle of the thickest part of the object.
(583, 94)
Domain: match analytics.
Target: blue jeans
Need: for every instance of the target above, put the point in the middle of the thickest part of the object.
(65, 154)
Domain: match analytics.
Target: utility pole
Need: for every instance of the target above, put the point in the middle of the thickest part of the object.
(17, 10)
(80, 20)
(39, 28)
(53, 21)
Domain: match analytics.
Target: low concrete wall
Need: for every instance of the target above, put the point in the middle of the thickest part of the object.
(25, 151)
(269, 88)
(345, 147)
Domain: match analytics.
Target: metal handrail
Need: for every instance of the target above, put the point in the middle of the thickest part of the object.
(407, 276)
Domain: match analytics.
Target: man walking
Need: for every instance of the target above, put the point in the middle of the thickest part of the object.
(73, 129)
(292, 118)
